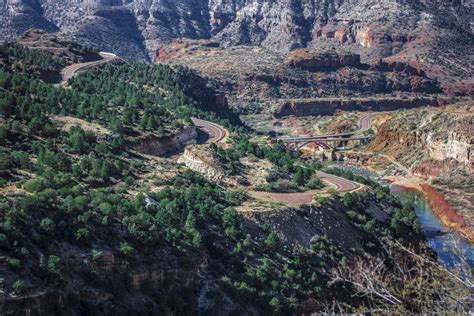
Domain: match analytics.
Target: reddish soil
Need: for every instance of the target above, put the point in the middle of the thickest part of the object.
(440, 206)
(445, 212)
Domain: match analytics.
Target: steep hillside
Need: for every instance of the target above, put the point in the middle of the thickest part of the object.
(436, 35)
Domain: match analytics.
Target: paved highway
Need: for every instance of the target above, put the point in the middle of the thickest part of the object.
(365, 123)
(69, 71)
(341, 184)
(216, 132)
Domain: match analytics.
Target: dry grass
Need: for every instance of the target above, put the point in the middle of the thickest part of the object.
(66, 122)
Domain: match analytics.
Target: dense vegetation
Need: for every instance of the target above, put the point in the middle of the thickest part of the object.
(154, 97)
(114, 97)
(24, 59)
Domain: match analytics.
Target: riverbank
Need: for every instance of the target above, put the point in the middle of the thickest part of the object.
(447, 214)
(454, 252)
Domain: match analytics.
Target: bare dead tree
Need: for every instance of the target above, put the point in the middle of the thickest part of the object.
(406, 281)
(367, 277)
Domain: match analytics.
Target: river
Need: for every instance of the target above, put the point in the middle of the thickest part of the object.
(450, 247)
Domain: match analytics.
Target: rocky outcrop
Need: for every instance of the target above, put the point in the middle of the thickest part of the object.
(283, 25)
(443, 140)
(251, 75)
(158, 146)
(314, 60)
(384, 82)
(327, 106)
(53, 45)
(432, 168)
(202, 160)
(141, 280)
(412, 37)
(399, 66)
(454, 145)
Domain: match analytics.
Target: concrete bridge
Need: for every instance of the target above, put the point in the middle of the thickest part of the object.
(332, 142)
(335, 141)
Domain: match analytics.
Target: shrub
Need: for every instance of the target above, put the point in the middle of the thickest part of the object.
(352, 215)
(280, 186)
(274, 302)
(24, 252)
(47, 224)
(126, 249)
(96, 255)
(6, 162)
(271, 240)
(18, 287)
(53, 264)
(229, 218)
(82, 234)
(14, 263)
(21, 159)
(314, 183)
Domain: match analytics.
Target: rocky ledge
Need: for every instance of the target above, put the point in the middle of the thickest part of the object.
(327, 106)
(314, 60)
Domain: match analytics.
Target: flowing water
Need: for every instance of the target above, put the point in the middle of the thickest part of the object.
(449, 246)
(452, 250)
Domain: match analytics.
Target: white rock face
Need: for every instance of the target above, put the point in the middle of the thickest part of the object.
(454, 147)
(197, 158)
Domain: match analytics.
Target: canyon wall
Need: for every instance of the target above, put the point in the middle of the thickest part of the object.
(141, 280)
(436, 36)
(443, 139)
(327, 106)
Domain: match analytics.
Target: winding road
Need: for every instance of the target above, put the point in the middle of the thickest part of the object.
(216, 132)
(342, 185)
(69, 71)
(366, 122)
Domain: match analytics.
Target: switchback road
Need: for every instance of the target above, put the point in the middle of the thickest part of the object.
(365, 123)
(341, 185)
(217, 133)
